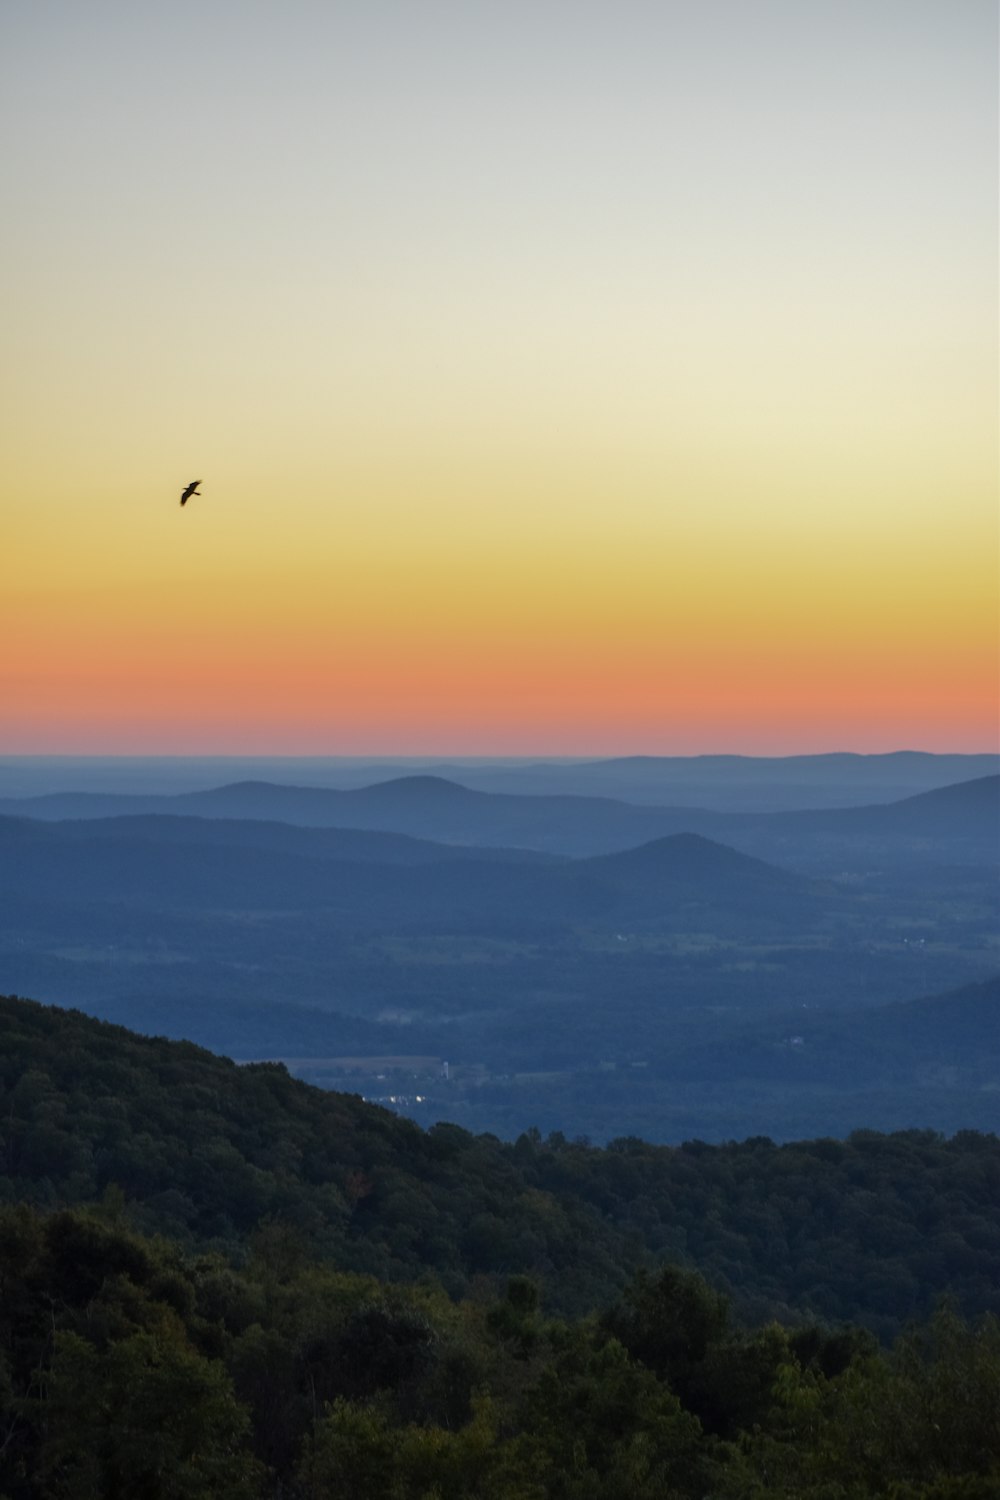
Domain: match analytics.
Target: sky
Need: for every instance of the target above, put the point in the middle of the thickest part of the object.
(563, 377)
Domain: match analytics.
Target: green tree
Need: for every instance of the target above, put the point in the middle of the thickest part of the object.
(146, 1417)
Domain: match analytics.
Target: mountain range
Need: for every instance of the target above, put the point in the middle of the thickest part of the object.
(586, 964)
(718, 782)
(963, 819)
(370, 881)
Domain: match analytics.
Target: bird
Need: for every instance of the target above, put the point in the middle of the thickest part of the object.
(191, 489)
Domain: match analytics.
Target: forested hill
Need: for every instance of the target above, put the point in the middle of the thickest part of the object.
(873, 1229)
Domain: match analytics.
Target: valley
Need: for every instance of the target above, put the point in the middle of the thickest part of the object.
(678, 987)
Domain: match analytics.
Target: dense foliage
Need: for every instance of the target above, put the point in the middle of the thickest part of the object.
(872, 1229)
(128, 1369)
(220, 1284)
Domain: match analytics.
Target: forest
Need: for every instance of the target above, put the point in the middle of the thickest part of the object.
(219, 1281)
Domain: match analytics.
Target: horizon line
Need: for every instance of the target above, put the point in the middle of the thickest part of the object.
(562, 757)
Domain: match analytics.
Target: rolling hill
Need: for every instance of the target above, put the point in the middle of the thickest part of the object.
(165, 863)
(958, 823)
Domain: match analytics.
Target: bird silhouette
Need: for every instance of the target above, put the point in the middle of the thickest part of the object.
(191, 489)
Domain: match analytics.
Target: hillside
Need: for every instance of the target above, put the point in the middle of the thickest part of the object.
(333, 1302)
(690, 860)
(953, 1038)
(948, 1042)
(968, 810)
(205, 1150)
(688, 857)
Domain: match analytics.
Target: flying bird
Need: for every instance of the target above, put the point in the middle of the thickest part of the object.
(191, 489)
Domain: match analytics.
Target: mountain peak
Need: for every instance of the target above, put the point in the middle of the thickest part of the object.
(686, 857)
(412, 788)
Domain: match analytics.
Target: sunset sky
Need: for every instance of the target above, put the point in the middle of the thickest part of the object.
(564, 377)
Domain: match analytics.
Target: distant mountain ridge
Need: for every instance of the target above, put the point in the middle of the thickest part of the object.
(966, 815)
(421, 806)
(968, 804)
(730, 783)
(165, 862)
(367, 846)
